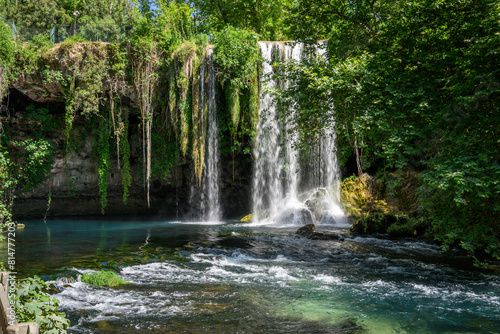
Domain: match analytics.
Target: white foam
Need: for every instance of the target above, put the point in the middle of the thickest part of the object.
(327, 279)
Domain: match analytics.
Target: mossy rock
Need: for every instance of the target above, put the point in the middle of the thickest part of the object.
(306, 229)
(246, 219)
(377, 223)
(400, 231)
(408, 227)
(363, 195)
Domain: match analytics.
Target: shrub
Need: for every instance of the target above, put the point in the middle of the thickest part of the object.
(33, 303)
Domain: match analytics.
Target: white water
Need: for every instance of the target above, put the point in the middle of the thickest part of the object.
(212, 159)
(281, 186)
(386, 294)
(206, 197)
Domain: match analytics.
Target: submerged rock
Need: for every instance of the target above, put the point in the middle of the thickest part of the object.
(295, 216)
(306, 229)
(325, 236)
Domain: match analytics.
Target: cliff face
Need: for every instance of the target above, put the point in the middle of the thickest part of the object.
(70, 77)
(72, 187)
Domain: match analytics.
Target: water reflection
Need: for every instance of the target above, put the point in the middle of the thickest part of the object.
(188, 278)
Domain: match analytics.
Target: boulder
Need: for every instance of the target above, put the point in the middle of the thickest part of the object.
(294, 216)
(306, 229)
(318, 202)
(325, 236)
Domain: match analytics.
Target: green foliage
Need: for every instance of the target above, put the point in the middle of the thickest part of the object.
(415, 85)
(236, 53)
(237, 56)
(267, 18)
(41, 42)
(33, 303)
(7, 54)
(165, 153)
(43, 123)
(174, 19)
(37, 156)
(125, 149)
(7, 186)
(89, 68)
(103, 278)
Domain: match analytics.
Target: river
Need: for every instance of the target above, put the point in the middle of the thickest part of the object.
(234, 278)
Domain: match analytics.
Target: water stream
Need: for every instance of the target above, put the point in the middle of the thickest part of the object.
(204, 199)
(281, 181)
(222, 277)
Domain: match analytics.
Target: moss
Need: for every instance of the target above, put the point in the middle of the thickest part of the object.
(405, 230)
(377, 223)
(363, 196)
(103, 278)
(409, 228)
(246, 219)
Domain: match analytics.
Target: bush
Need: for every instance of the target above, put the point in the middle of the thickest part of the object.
(38, 155)
(236, 53)
(33, 303)
(103, 278)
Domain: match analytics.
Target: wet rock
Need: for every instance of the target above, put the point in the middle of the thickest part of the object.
(325, 236)
(292, 216)
(377, 223)
(306, 229)
(318, 202)
(235, 242)
(246, 219)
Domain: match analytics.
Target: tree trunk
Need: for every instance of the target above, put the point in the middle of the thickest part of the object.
(358, 162)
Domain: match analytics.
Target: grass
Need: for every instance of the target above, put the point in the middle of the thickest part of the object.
(103, 278)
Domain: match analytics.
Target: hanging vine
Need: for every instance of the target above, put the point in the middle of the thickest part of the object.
(88, 63)
(125, 149)
(103, 160)
(145, 61)
(199, 101)
(185, 60)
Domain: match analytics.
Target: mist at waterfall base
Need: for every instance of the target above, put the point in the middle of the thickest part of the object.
(234, 278)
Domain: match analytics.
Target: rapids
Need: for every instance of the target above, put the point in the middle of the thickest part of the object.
(224, 277)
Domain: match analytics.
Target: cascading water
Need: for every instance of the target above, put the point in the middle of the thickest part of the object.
(268, 181)
(206, 198)
(284, 191)
(212, 157)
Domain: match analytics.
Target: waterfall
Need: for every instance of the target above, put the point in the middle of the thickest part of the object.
(284, 190)
(205, 199)
(212, 157)
(268, 188)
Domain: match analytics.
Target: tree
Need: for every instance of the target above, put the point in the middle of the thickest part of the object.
(418, 82)
(265, 17)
